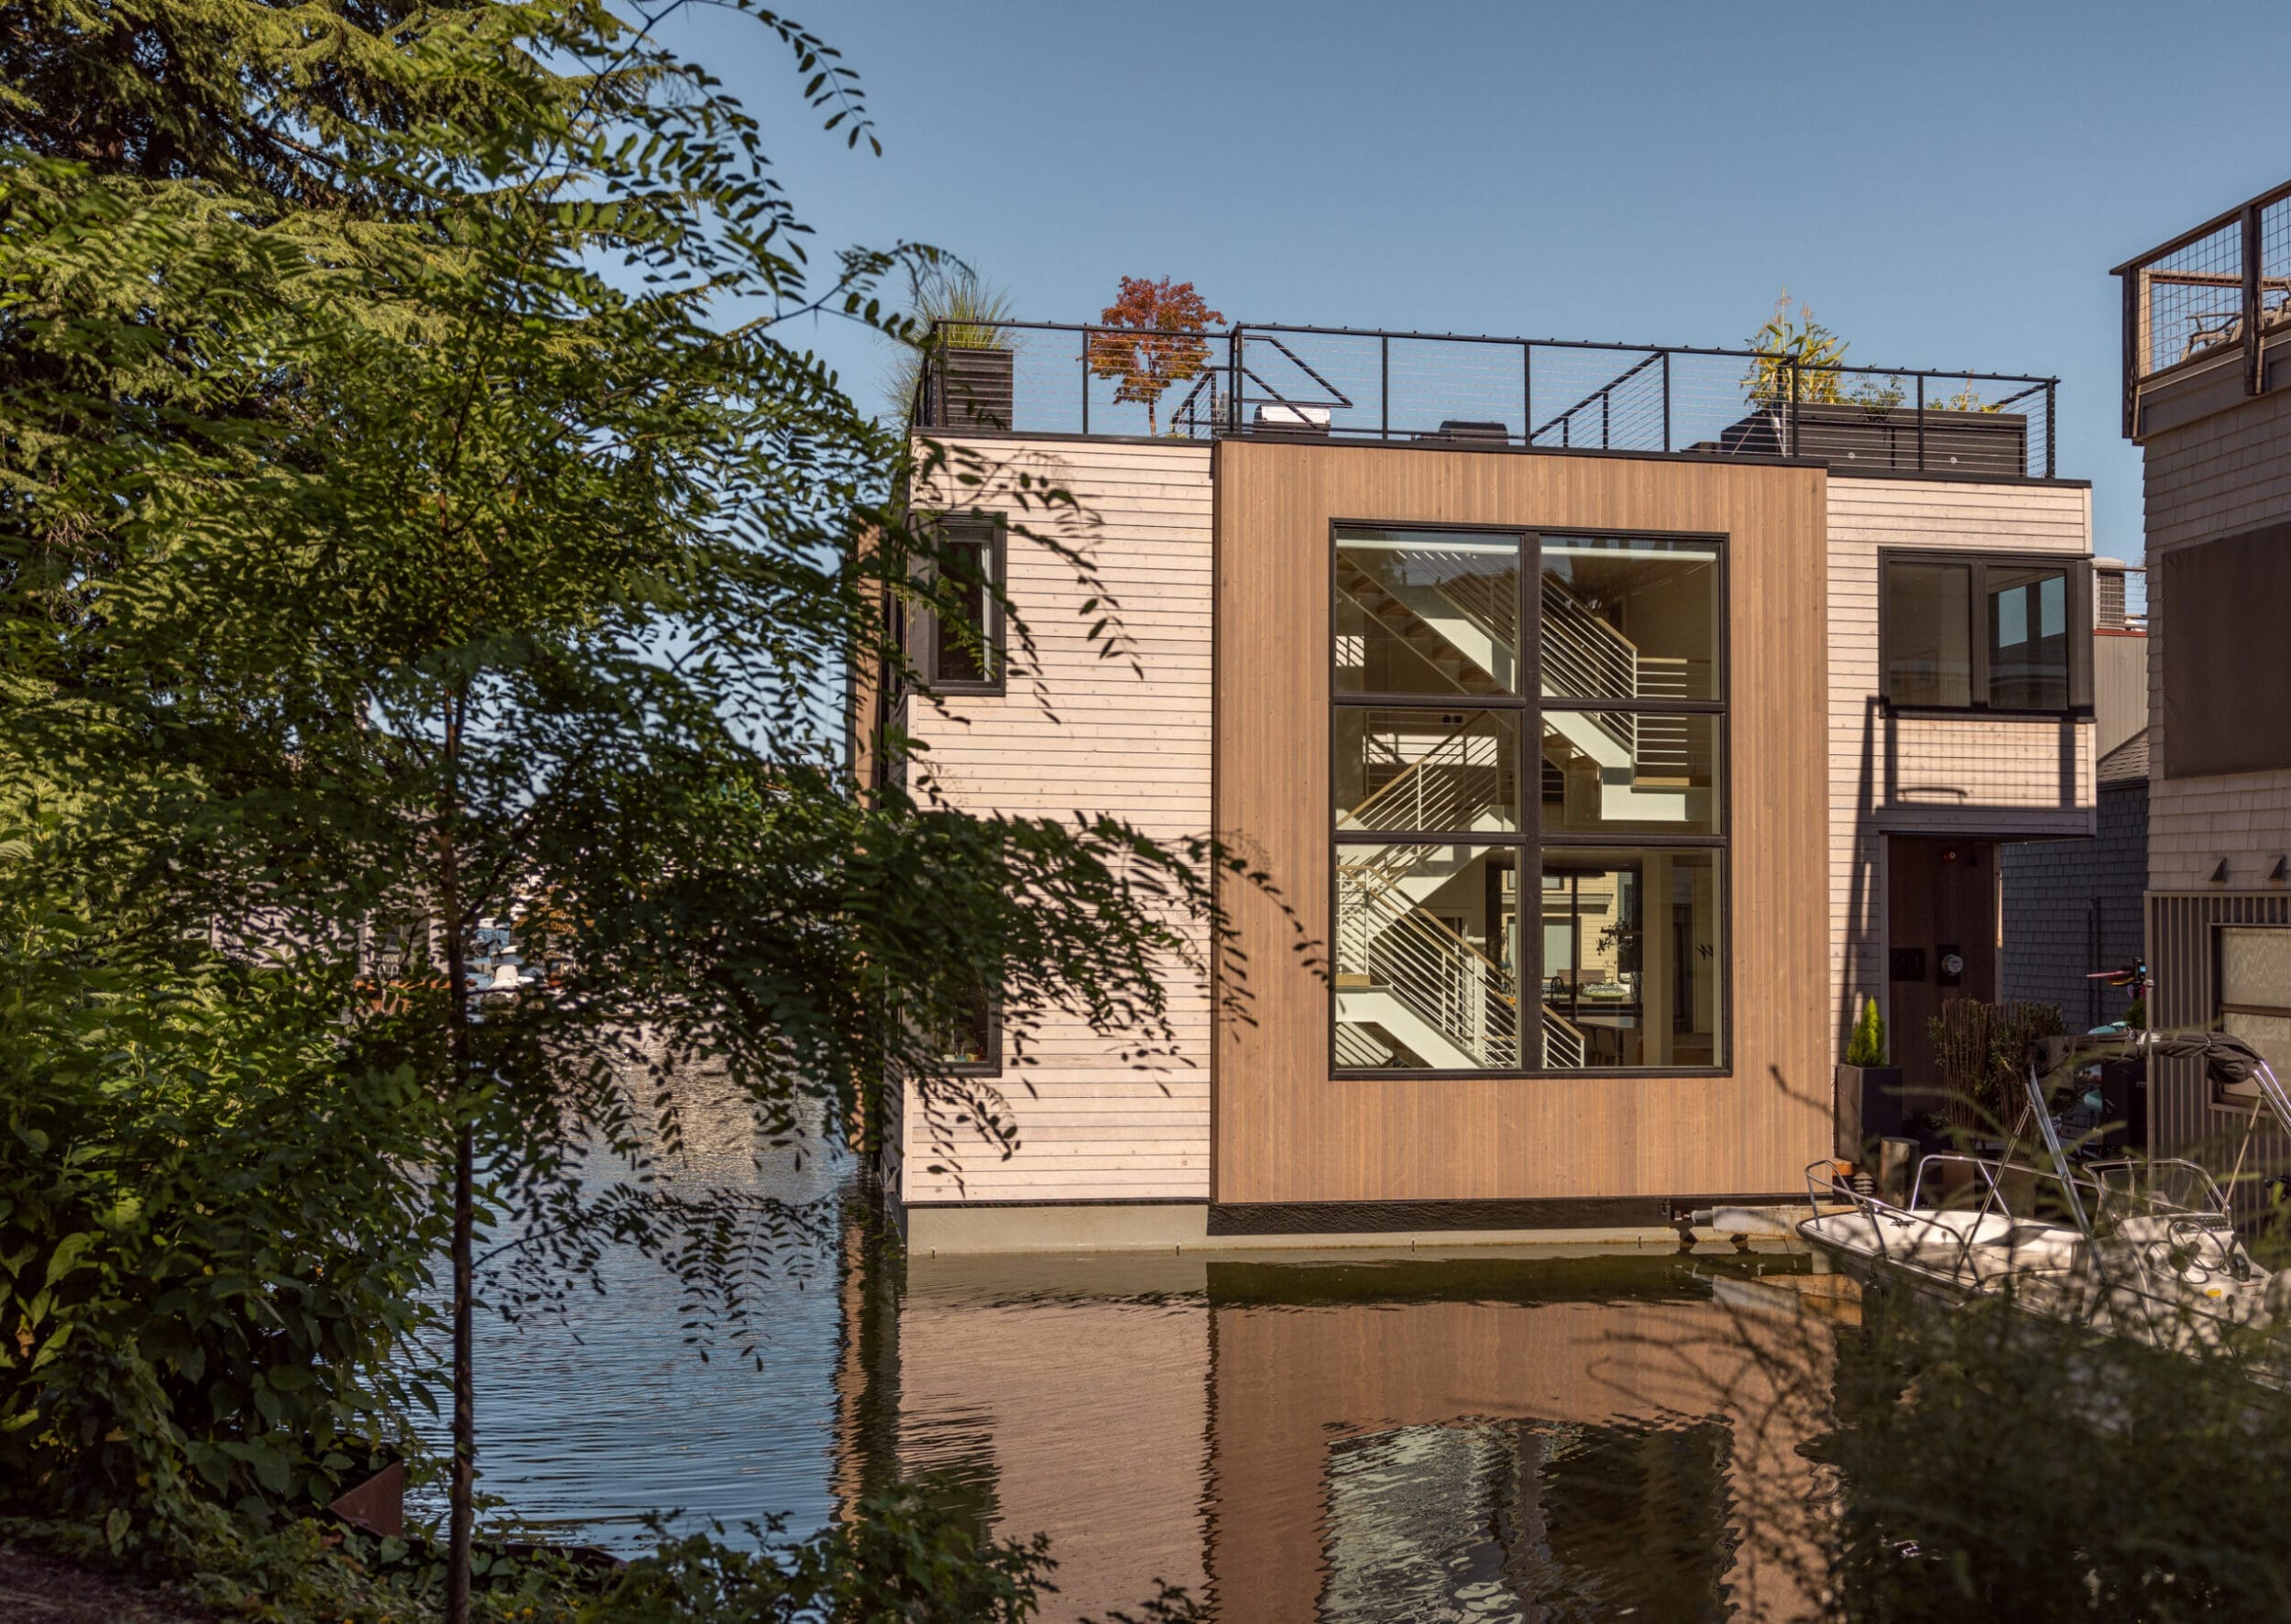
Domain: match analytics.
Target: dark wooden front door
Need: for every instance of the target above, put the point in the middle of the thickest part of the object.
(1941, 904)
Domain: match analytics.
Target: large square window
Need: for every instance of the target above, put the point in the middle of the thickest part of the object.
(1621, 680)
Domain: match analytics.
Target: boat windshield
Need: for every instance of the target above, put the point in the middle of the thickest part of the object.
(1951, 1181)
(2147, 1189)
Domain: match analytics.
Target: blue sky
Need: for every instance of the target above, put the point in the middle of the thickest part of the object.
(1948, 185)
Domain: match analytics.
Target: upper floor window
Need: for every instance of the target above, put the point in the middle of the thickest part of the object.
(1985, 631)
(1529, 819)
(962, 653)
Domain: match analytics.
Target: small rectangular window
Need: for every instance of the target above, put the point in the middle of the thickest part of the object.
(2256, 994)
(972, 1046)
(1984, 633)
(966, 647)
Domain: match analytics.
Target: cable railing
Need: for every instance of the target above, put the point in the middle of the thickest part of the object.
(2220, 290)
(1342, 384)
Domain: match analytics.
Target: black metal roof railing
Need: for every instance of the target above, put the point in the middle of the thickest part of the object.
(1355, 384)
(2220, 287)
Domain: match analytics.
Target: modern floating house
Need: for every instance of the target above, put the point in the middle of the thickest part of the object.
(2208, 398)
(1740, 670)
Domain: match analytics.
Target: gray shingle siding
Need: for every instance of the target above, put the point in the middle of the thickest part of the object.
(2051, 890)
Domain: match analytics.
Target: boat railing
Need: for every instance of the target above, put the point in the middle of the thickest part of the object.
(1995, 1180)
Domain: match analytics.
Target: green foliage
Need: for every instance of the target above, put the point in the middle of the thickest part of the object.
(904, 1554)
(411, 512)
(1867, 1046)
(202, 1282)
(1989, 1464)
(1801, 361)
(2136, 1015)
(951, 304)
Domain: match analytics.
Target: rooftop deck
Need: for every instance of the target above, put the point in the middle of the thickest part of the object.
(1363, 385)
(2214, 301)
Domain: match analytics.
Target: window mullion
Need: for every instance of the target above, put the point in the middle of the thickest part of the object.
(1979, 631)
(1527, 883)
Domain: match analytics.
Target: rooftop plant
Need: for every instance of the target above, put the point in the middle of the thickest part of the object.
(1817, 355)
(1146, 340)
(952, 305)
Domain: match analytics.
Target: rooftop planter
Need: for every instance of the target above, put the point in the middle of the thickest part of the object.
(973, 385)
(1851, 436)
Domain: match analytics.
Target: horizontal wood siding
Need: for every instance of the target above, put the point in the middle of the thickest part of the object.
(1287, 1130)
(1077, 733)
(2003, 777)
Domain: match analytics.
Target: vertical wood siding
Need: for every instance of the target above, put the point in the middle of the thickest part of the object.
(2183, 1117)
(1078, 733)
(1287, 1129)
(1987, 777)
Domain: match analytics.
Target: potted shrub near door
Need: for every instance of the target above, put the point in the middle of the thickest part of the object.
(1868, 1096)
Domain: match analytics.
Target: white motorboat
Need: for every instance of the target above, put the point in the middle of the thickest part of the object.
(2144, 1249)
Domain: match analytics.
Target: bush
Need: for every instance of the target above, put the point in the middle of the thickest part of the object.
(1982, 1052)
(206, 1263)
(1867, 1046)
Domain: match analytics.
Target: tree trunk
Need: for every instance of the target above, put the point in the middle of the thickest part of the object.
(463, 1493)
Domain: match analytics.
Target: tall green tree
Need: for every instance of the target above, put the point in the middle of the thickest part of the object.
(412, 516)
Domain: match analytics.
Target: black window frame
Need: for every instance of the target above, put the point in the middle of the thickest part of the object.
(994, 532)
(987, 1013)
(1977, 561)
(1529, 841)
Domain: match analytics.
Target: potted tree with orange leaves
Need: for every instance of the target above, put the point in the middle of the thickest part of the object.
(1150, 338)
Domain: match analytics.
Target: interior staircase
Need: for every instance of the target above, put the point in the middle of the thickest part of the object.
(1410, 992)
(1463, 627)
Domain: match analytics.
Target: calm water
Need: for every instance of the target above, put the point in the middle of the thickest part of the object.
(1351, 1437)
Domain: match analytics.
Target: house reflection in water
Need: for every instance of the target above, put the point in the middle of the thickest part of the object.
(1477, 1437)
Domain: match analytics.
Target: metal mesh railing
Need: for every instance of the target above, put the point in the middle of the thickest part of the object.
(1347, 384)
(2194, 299)
(2222, 287)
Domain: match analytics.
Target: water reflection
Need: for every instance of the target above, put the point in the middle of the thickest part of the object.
(590, 1419)
(1473, 1438)
(1482, 1436)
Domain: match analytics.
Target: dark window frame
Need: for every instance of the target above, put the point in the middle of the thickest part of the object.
(1976, 561)
(991, 1014)
(994, 532)
(1528, 842)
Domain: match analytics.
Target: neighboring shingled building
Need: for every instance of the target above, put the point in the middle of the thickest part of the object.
(2074, 906)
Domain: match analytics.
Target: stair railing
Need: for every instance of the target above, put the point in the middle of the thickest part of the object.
(1444, 788)
(1442, 979)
